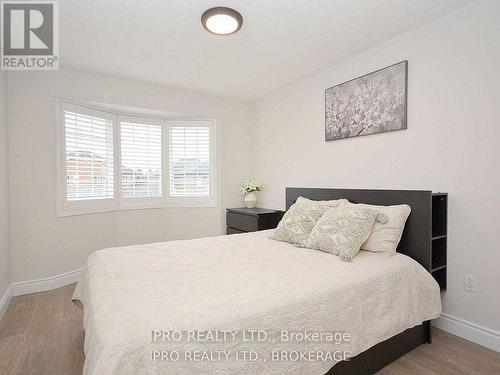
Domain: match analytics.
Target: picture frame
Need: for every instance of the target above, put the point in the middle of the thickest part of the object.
(373, 103)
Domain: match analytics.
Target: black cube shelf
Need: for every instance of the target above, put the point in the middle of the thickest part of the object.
(439, 239)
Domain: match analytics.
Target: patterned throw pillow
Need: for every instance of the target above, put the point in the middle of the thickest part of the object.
(341, 231)
(298, 222)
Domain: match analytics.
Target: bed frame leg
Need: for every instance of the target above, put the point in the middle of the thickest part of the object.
(427, 332)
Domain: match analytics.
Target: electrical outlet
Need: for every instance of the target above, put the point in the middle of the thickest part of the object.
(470, 283)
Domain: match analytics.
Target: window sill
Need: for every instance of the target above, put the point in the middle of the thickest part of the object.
(129, 207)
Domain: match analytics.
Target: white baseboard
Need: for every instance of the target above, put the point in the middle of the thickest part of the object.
(41, 285)
(5, 301)
(470, 331)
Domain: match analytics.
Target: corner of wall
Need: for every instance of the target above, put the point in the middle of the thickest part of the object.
(5, 258)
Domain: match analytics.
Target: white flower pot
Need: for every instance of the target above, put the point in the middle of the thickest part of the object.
(250, 199)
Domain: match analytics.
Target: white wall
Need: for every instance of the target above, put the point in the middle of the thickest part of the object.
(451, 144)
(44, 245)
(4, 190)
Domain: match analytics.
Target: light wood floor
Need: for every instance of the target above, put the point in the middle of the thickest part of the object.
(42, 334)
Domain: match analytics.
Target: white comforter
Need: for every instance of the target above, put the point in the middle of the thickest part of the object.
(242, 282)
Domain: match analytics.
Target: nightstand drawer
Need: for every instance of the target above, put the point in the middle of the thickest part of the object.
(245, 223)
(230, 230)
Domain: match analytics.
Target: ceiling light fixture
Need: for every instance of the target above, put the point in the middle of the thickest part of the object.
(221, 20)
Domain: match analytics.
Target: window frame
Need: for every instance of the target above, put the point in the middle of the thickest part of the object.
(66, 207)
(145, 202)
(119, 203)
(192, 201)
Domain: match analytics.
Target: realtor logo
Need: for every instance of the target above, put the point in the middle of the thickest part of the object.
(29, 35)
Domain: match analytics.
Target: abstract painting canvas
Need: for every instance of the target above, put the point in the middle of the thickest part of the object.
(373, 103)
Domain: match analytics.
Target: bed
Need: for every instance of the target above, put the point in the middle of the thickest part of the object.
(136, 298)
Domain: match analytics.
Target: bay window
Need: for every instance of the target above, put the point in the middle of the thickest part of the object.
(109, 161)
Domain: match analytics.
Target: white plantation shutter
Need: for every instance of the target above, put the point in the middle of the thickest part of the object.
(88, 141)
(110, 162)
(141, 160)
(189, 160)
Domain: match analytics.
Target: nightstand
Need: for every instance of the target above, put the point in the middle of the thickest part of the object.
(241, 220)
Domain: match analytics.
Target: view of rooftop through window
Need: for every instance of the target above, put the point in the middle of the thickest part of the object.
(189, 148)
(141, 160)
(89, 157)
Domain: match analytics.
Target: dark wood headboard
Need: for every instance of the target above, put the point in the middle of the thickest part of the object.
(416, 239)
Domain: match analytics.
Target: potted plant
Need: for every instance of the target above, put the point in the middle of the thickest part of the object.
(249, 191)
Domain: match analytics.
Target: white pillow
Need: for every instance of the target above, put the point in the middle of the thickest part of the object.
(331, 203)
(388, 228)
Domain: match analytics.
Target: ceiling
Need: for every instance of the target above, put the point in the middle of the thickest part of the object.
(281, 41)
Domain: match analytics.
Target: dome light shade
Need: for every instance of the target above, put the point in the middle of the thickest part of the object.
(221, 20)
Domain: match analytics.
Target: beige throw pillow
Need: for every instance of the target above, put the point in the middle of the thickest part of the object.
(298, 222)
(330, 203)
(387, 232)
(300, 219)
(341, 231)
